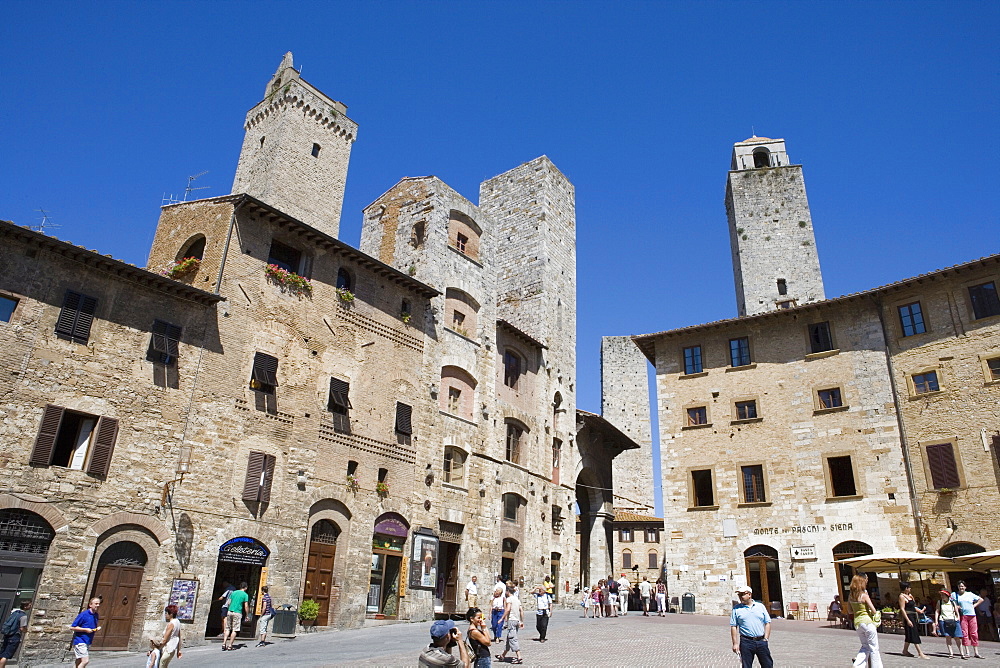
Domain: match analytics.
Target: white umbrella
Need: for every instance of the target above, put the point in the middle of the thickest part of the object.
(895, 561)
(980, 560)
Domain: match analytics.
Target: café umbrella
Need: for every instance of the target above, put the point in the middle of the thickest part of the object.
(980, 560)
(897, 561)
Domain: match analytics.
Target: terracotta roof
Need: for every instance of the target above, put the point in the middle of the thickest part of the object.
(629, 517)
(758, 140)
(646, 341)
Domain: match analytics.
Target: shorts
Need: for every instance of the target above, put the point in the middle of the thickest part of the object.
(10, 644)
(81, 650)
(233, 620)
(264, 623)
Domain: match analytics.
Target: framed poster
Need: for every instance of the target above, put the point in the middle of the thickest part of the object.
(184, 594)
(424, 562)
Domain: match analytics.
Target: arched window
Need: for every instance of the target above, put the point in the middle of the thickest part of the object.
(417, 237)
(653, 562)
(461, 312)
(512, 504)
(761, 158)
(457, 394)
(515, 441)
(325, 532)
(344, 281)
(960, 549)
(463, 234)
(454, 465)
(626, 559)
(194, 247)
(513, 367)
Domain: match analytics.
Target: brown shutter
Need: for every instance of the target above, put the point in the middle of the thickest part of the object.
(164, 342)
(339, 394)
(67, 316)
(251, 484)
(41, 454)
(104, 446)
(404, 423)
(265, 369)
(84, 319)
(76, 317)
(944, 469)
(265, 490)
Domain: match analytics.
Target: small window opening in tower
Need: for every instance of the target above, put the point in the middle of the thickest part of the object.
(782, 287)
(315, 151)
(262, 141)
(761, 158)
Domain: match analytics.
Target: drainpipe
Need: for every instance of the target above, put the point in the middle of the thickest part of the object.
(914, 504)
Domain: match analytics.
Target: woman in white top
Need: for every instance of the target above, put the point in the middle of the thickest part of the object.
(496, 610)
(170, 644)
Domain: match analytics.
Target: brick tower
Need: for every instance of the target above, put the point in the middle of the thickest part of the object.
(296, 149)
(775, 262)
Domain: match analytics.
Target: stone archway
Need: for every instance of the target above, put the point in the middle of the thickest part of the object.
(596, 517)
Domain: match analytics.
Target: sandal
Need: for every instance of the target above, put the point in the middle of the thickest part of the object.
(518, 661)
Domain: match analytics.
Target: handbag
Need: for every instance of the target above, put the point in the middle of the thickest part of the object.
(877, 617)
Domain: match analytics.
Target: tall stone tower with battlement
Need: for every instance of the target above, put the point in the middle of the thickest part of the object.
(775, 261)
(296, 150)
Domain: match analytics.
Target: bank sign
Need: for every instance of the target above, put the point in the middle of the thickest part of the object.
(804, 528)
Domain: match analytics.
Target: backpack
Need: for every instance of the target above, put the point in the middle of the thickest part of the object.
(13, 624)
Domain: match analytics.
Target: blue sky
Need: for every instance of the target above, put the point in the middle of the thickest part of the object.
(890, 107)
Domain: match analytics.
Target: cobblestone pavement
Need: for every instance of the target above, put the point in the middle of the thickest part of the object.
(685, 641)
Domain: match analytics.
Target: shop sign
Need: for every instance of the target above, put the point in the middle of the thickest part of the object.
(392, 525)
(803, 552)
(804, 528)
(243, 550)
(184, 594)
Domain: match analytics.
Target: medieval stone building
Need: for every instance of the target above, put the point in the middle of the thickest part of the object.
(264, 403)
(809, 429)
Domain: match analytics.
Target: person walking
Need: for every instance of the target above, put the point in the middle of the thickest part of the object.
(543, 610)
(661, 597)
(227, 591)
(946, 621)
(645, 590)
(750, 628)
(967, 603)
(472, 592)
(479, 639)
(264, 623)
(15, 627)
(444, 637)
(984, 617)
(865, 613)
(624, 588)
(84, 627)
(613, 588)
(512, 615)
(238, 611)
(496, 611)
(911, 620)
(169, 645)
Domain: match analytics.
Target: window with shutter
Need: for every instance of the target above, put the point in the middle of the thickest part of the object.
(163, 345)
(943, 467)
(260, 472)
(340, 405)
(264, 377)
(820, 339)
(74, 440)
(626, 559)
(41, 454)
(104, 446)
(404, 426)
(76, 317)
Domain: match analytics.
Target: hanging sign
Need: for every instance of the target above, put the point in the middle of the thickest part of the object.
(183, 594)
(424, 562)
(803, 552)
(243, 550)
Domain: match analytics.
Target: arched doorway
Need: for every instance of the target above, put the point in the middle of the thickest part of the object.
(764, 577)
(319, 568)
(507, 558)
(119, 577)
(845, 572)
(388, 541)
(241, 559)
(554, 560)
(594, 527)
(24, 542)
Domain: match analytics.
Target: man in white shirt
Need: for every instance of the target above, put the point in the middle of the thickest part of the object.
(624, 587)
(645, 591)
(472, 592)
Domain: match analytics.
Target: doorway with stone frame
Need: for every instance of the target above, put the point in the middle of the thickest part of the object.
(764, 577)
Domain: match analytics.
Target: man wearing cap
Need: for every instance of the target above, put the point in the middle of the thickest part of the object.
(750, 626)
(444, 636)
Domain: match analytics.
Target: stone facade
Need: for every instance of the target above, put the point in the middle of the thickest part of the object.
(638, 549)
(775, 261)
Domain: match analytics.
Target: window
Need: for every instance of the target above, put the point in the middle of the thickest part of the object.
(653, 560)
(454, 400)
(315, 150)
(692, 360)
(513, 451)
(457, 320)
(260, 472)
(739, 351)
(830, 398)
(339, 405)
(761, 158)
(417, 236)
(652, 535)
(405, 308)
(753, 483)
(76, 317)
(625, 535)
(626, 559)
(820, 339)
(461, 241)
(352, 468)
(993, 369)
(464, 234)
(942, 465)
(512, 507)
(264, 381)
(556, 457)
(344, 281)
(782, 287)
(985, 301)
(841, 476)
(786, 304)
(511, 369)
(925, 382)
(557, 519)
(404, 424)
(454, 466)
(383, 474)
(703, 492)
(457, 393)
(163, 345)
(911, 319)
(746, 410)
(284, 256)
(75, 441)
(697, 416)
(460, 312)
(7, 306)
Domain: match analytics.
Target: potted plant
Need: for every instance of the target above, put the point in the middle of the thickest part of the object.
(946, 490)
(382, 489)
(352, 482)
(288, 280)
(308, 611)
(345, 295)
(405, 317)
(182, 267)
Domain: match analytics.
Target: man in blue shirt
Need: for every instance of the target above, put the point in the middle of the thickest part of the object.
(750, 626)
(84, 627)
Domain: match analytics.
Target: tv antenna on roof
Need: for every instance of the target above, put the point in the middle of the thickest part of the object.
(46, 222)
(190, 188)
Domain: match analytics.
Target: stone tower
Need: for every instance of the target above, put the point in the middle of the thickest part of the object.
(625, 404)
(296, 149)
(775, 262)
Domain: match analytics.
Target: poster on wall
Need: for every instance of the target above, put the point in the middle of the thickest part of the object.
(183, 594)
(424, 562)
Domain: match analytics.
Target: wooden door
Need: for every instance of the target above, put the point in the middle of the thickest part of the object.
(449, 569)
(119, 588)
(319, 578)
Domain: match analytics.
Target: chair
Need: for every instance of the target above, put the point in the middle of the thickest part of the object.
(793, 609)
(812, 612)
